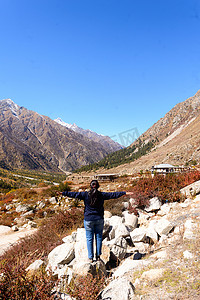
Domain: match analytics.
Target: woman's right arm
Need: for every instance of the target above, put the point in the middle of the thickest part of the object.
(79, 195)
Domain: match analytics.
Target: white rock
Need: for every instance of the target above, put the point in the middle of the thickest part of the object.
(81, 252)
(160, 255)
(118, 248)
(70, 238)
(22, 208)
(15, 228)
(130, 219)
(164, 210)
(35, 265)
(154, 204)
(107, 214)
(53, 200)
(118, 289)
(138, 235)
(121, 230)
(153, 274)
(32, 224)
(61, 255)
(192, 189)
(114, 221)
(187, 254)
(152, 234)
(129, 265)
(163, 226)
(5, 229)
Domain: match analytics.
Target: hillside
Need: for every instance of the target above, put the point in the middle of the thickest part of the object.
(106, 141)
(174, 139)
(31, 141)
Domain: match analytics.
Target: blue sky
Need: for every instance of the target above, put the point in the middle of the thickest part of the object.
(106, 65)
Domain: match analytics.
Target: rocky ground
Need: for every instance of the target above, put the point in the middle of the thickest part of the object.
(151, 256)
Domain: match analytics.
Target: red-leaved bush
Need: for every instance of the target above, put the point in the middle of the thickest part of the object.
(167, 187)
(17, 284)
(86, 287)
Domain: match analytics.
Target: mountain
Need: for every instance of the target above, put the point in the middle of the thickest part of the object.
(106, 141)
(31, 141)
(174, 139)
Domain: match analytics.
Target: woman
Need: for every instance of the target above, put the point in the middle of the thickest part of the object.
(94, 214)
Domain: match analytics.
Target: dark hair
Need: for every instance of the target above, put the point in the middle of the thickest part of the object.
(94, 193)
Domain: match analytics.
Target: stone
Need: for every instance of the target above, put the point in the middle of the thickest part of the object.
(70, 238)
(114, 221)
(106, 229)
(153, 274)
(191, 190)
(129, 265)
(189, 229)
(22, 208)
(160, 255)
(130, 220)
(14, 228)
(35, 265)
(154, 204)
(81, 252)
(41, 205)
(53, 200)
(138, 235)
(120, 288)
(133, 202)
(187, 254)
(152, 234)
(163, 226)
(95, 268)
(126, 205)
(107, 214)
(61, 255)
(164, 210)
(118, 248)
(105, 256)
(5, 229)
(122, 230)
(32, 224)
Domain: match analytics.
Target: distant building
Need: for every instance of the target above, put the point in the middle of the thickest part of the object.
(106, 177)
(166, 168)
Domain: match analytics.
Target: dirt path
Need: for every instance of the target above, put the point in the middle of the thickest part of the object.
(6, 240)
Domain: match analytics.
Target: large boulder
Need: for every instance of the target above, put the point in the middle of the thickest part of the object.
(191, 190)
(81, 252)
(163, 226)
(118, 248)
(61, 255)
(129, 265)
(130, 220)
(118, 289)
(154, 204)
(122, 230)
(5, 229)
(95, 268)
(138, 235)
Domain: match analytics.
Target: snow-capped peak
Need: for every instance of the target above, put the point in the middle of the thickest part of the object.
(9, 104)
(70, 126)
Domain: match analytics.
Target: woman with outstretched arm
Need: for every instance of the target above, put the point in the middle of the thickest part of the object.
(94, 214)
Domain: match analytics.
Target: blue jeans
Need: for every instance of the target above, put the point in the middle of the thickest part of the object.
(94, 228)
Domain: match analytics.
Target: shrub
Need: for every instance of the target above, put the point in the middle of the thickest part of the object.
(46, 238)
(165, 187)
(86, 287)
(17, 284)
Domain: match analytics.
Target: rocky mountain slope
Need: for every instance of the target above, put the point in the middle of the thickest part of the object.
(31, 141)
(106, 141)
(174, 139)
